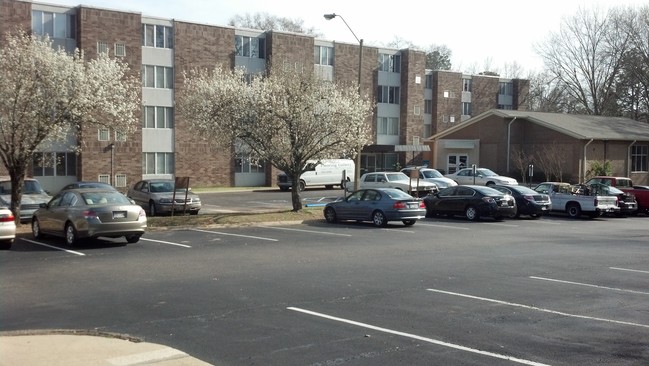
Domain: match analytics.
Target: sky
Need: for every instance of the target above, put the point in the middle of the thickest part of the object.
(480, 34)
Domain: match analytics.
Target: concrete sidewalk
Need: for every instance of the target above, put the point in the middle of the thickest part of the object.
(60, 348)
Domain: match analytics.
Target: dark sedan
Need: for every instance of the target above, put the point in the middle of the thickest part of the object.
(378, 205)
(528, 201)
(471, 201)
(75, 214)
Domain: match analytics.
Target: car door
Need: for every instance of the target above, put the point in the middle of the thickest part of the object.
(464, 176)
(140, 193)
(369, 202)
(347, 210)
(58, 214)
(464, 196)
(445, 200)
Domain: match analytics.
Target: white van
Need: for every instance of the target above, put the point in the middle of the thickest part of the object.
(325, 172)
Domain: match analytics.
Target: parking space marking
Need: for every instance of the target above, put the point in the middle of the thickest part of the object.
(498, 224)
(628, 270)
(589, 285)
(53, 247)
(166, 242)
(304, 231)
(230, 234)
(445, 226)
(539, 309)
(420, 338)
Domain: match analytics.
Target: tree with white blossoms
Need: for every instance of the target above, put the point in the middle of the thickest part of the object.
(46, 94)
(285, 118)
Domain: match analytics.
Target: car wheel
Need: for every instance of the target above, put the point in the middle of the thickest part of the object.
(330, 215)
(36, 229)
(301, 186)
(573, 210)
(471, 213)
(379, 220)
(409, 222)
(516, 214)
(70, 235)
(132, 239)
(152, 210)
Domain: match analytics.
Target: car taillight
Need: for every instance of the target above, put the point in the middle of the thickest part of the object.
(89, 214)
(142, 213)
(422, 204)
(7, 217)
(399, 205)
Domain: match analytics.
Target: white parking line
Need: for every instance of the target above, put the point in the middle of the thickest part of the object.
(166, 242)
(53, 247)
(420, 338)
(230, 234)
(497, 224)
(628, 270)
(445, 226)
(538, 309)
(589, 285)
(305, 231)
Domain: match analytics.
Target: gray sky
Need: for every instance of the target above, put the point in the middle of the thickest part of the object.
(478, 32)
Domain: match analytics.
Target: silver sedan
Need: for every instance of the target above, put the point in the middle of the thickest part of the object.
(81, 213)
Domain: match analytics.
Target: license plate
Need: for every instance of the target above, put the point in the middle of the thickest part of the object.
(119, 214)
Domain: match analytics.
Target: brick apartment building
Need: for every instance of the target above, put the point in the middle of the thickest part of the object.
(412, 103)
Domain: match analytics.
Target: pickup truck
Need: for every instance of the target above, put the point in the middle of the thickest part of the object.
(625, 184)
(565, 198)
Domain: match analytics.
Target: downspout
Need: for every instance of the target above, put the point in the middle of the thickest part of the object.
(583, 178)
(509, 140)
(628, 159)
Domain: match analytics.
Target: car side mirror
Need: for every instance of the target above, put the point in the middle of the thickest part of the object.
(42, 205)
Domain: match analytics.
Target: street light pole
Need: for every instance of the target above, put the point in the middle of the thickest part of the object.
(357, 165)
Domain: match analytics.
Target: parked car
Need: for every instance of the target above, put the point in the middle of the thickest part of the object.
(324, 172)
(33, 196)
(626, 201)
(7, 227)
(430, 175)
(566, 198)
(483, 177)
(398, 181)
(158, 196)
(88, 184)
(472, 201)
(378, 205)
(81, 213)
(528, 201)
(626, 185)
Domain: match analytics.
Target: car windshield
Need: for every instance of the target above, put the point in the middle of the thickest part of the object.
(432, 174)
(162, 187)
(486, 172)
(397, 177)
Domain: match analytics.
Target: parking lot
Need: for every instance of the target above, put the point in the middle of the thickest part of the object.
(554, 291)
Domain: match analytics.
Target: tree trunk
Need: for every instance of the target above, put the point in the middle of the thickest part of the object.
(296, 200)
(17, 181)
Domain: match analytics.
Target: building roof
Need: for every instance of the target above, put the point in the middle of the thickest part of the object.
(584, 127)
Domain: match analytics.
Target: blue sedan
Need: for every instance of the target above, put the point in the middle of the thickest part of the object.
(378, 205)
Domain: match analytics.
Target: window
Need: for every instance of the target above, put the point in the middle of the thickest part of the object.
(429, 82)
(120, 136)
(247, 163)
(506, 88)
(387, 126)
(120, 49)
(390, 63)
(104, 178)
(639, 156)
(252, 47)
(508, 107)
(466, 108)
(158, 117)
(388, 94)
(466, 85)
(323, 55)
(103, 134)
(120, 180)
(57, 164)
(157, 163)
(428, 106)
(102, 47)
(157, 77)
(158, 36)
(55, 25)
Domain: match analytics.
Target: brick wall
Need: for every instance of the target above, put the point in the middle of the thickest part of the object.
(14, 15)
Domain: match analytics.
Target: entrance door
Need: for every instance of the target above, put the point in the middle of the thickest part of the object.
(455, 162)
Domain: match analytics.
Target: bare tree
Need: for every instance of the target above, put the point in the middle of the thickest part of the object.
(550, 159)
(586, 55)
(45, 94)
(286, 118)
(633, 83)
(266, 22)
(521, 161)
